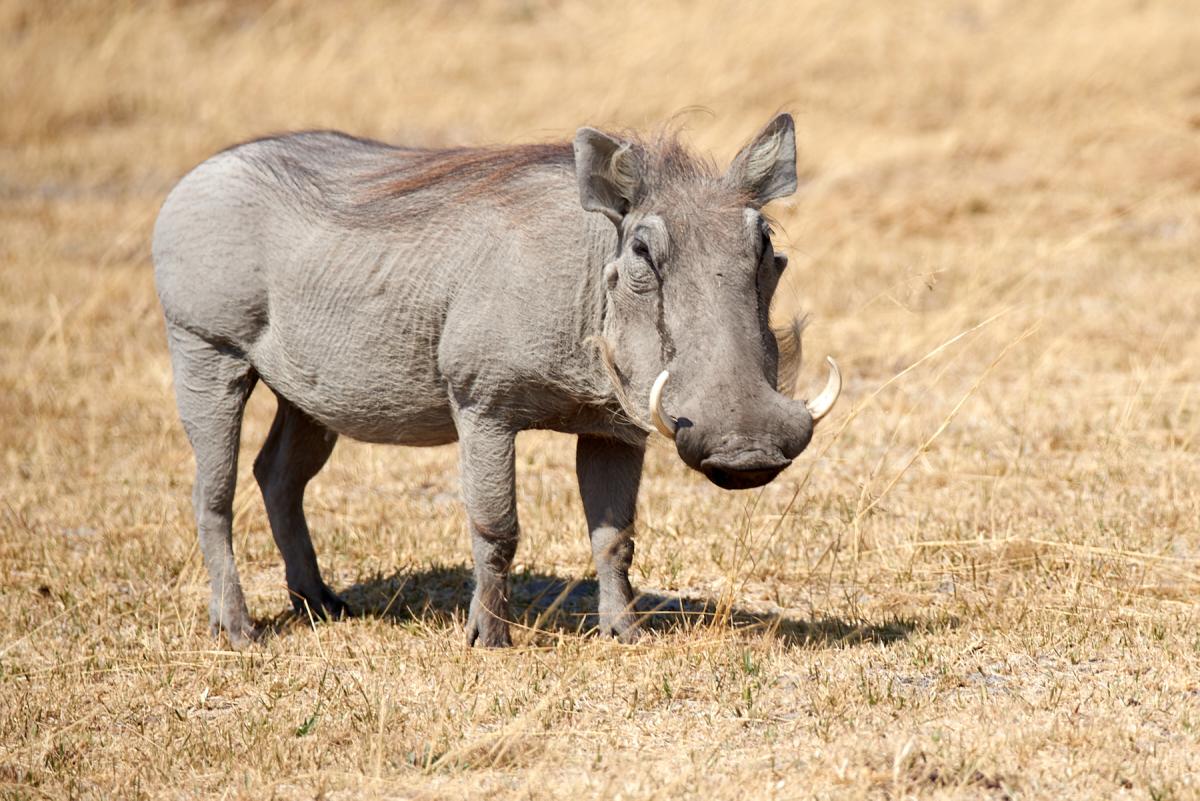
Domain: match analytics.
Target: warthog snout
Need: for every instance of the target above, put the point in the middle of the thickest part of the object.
(739, 454)
(748, 444)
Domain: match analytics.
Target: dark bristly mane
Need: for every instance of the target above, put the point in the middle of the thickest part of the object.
(665, 162)
(473, 170)
(403, 182)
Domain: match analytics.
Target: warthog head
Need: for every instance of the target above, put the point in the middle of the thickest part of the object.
(688, 295)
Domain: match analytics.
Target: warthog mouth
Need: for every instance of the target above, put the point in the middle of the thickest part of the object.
(743, 470)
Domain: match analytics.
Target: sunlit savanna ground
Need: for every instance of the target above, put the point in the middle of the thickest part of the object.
(981, 580)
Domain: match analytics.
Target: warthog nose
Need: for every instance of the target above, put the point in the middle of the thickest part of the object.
(743, 469)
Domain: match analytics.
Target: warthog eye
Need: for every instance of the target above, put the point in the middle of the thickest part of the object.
(642, 251)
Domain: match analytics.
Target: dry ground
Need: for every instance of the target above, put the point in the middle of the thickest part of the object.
(981, 581)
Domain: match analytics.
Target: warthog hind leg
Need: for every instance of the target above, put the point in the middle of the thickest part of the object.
(297, 447)
(212, 384)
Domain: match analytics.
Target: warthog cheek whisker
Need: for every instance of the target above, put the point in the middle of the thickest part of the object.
(604, 350)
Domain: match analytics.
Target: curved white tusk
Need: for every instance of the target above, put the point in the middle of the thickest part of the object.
(664, 422)
(819, 406)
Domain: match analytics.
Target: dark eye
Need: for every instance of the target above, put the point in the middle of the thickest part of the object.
(642, 250)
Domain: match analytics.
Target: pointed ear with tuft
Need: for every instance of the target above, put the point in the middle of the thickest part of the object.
(766, 168)
(608, 173)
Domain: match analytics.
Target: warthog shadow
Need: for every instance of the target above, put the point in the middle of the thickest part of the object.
(552, 606)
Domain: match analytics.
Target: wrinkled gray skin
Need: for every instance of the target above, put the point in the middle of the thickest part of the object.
(421, 297)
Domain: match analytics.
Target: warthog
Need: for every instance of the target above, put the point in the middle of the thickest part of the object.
(422, 297)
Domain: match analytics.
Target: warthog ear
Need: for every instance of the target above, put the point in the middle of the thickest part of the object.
(766, 168)
(607, 170)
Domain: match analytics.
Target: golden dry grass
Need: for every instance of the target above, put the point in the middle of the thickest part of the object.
(982, 581)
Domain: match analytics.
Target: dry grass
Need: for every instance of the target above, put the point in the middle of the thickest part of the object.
(982, 581)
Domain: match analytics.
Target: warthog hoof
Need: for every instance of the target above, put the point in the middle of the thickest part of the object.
(241, 635)
(487, 631)
(623, 627)
(324, 604)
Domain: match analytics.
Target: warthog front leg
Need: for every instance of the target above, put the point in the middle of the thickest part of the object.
(486, 453)
(609, 474)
